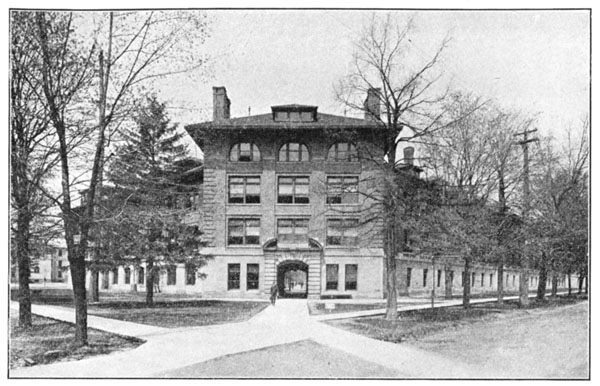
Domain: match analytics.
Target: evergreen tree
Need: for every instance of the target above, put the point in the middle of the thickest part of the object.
(152, 195)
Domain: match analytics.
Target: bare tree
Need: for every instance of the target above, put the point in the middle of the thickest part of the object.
(405, 105)
(130, 49)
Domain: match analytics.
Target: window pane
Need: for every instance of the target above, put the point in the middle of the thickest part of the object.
(190, 274)
(294, 147)
(303, 153)
(331, 276)
(294, 155)
(331, 154)
(127, 275)
(281, 116)
(294, 116)
(234, 155)
(306, 116)
(252, 273)
(283, 153)
(351, 276)
(233, 276)
(302, 190)
(141, 275)
(255, 153)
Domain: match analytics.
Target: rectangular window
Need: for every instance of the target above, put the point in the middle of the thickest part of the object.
(331, 276)
(292, 190)
(482, 278)
(115, 272)
(408, 276)
(60, 253)
(252, 276)
(105, 280)
(190, 274)
(244, 190)
(233, 276)
(243, 231)
(514, 281)
(491, 279)
(507, 276)
(281, 116)
(425, 271)
(127, 275)
(451, 278)
(342, 190)
(351, 277)
(342, 231)
(141, 275)
(439, 281)
(171, 275)
(292, 231)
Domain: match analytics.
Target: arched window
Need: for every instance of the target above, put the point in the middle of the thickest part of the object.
(293, 152)
(244, 152)
(343, 151)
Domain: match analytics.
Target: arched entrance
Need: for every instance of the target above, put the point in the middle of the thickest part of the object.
(292, 279)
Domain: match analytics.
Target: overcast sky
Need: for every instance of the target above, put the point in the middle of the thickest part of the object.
(537, 61)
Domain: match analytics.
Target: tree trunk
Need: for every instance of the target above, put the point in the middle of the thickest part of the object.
(467, 284)
(541, 289)
(554, 284)
(500, 284)
(580, 282)
(23, 262)
(77, 266)
(150, 282)
(94, 285)
(569, 282)
(389, 244)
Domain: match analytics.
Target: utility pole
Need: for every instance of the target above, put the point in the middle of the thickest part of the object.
(523, 275)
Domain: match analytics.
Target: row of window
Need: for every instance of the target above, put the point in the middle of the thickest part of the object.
(292, 190)
(246, 231)
(233, 276)
(190, 276)
(463, 278)
(293, 152)
(331, 277)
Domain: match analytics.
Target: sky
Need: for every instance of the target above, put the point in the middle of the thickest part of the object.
(534, 61)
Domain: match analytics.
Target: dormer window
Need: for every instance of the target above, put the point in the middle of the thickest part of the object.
(294, 113)
(244, 152)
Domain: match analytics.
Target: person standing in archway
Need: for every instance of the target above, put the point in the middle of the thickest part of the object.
(274, 292)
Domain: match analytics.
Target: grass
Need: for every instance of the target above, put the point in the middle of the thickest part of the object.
(169, 310)
(56, 339)
(413, 325)
(173, 314)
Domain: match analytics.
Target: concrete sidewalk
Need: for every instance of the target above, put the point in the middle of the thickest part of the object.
(287, 322)
(114, 326)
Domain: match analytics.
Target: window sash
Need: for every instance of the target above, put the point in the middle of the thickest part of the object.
(141, 275)
(293, 190)
(331, 276)
(244, 152)
(252, 276)
(244, 190)
(342, 190)
(342, 232)
(233, 276)
(243, 231)
(171, 275)
(292, 230)
(351, 277)
(127, 275)
(190, 274)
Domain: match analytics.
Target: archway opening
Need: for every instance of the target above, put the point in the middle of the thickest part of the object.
(292, 279)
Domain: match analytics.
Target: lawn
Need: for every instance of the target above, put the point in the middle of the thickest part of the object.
(178, 313)
(52, 341)
(412, 325)
(547, 340)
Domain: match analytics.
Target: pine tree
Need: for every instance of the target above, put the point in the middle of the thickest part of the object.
(151, 192)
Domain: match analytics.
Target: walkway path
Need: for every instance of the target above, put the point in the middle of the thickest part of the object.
(287, 322)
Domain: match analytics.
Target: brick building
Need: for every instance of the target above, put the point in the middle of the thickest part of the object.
(279, 202)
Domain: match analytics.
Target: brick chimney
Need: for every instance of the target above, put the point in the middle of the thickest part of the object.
(409, 155)
(220, 104)
(372, 104)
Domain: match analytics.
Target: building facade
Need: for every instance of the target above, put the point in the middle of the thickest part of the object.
(285, 199)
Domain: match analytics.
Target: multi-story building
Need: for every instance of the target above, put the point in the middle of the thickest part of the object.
(281, 203)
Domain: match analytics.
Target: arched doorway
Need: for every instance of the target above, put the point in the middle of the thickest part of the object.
(292, 279)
